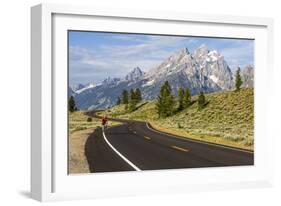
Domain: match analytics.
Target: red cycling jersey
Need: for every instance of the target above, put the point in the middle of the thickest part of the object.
(104, 120)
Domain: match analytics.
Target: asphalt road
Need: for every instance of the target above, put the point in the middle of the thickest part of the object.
(137, 146)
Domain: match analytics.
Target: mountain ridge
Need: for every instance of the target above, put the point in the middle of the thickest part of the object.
(203, 70)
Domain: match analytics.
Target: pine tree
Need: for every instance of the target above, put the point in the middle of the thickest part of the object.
(165, 101)
(187, 99)
(71, 104)
(138, 95)
(238, 80)
(160, 104)
(201, 101)
(118, 102)
(180, 99)
(170, 103)
(133, 100)
(125, 97)
(132, 94)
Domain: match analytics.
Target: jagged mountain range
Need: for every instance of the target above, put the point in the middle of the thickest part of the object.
(203, 70)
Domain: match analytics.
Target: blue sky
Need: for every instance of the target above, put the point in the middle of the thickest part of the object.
(93, 56)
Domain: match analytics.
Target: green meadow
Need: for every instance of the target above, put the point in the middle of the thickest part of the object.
(227, 118)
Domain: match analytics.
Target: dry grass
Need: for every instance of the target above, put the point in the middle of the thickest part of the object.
(227, 119)
(77, 159)
(79, 131)
(78, 121)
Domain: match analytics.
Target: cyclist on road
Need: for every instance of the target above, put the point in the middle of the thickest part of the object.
(104, 122)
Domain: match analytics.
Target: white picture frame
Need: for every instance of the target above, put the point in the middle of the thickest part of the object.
(49, 179)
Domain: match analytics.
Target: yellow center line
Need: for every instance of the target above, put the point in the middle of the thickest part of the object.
(148, 138)
(179, 148)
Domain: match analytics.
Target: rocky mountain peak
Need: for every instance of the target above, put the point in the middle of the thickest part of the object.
(110, 80)
(135, 74)
(247, 74)
(248, 68)
(185, 51)
(179, 55)
(203, 50)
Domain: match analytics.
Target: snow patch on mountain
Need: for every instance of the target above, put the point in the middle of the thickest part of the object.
(214, 78)
(149, 83)
(89, 86)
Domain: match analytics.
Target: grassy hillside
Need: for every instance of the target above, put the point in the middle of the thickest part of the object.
(227, 119)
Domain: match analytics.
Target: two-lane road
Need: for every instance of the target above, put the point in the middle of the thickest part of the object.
(137, 146)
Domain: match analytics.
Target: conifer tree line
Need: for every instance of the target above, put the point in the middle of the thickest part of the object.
(130, 99)
(166, 101)
(184, 98)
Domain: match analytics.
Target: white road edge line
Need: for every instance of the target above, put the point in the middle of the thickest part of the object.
(182, 138)
(122, 156)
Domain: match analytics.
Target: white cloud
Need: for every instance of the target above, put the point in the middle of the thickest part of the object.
(239, 55)
(89, 65)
